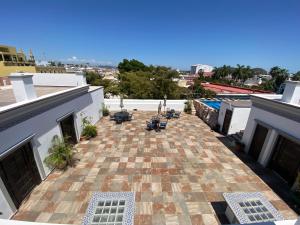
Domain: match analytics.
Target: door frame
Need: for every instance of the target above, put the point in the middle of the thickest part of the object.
(72, 113)
(222, 130)
(11, 150)
(263, 147)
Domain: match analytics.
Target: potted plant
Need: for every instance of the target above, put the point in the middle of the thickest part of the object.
(88, 130)
(60, 154)
(105, 111)
(188, 107)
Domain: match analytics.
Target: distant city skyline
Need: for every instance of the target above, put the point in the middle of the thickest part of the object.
(171, 33)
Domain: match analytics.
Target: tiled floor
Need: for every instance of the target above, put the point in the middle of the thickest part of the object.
(178, 175)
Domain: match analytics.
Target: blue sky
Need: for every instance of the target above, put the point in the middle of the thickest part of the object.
(259, 33)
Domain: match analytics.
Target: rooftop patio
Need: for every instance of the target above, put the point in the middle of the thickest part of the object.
(178, 175)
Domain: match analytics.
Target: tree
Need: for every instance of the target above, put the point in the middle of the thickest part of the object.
(279, 75)
(222, 72)
(259, 71)
(131, 65)
(296, 76)
(242, 73)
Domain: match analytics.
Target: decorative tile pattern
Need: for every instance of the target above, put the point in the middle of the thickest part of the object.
(110, 208)
(178, 175)
(251, 207)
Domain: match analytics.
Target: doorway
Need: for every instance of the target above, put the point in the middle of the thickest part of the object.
(226, 122)
(19, 173)
(286, 159)
(68, 129)
(258, 141)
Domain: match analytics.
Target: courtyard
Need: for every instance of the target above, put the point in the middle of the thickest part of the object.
(178, 175)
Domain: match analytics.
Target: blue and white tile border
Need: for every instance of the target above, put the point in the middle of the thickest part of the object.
(129, 198)
(233, 199)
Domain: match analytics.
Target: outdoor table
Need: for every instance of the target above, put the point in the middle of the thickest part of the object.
(123, 115)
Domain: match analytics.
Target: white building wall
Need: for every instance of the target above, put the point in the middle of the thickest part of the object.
(143, 105)
(59, 79)
(238, 120)
(288, 126)
(45, 126)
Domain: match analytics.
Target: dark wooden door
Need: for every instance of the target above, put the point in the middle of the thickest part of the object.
(68, 129)
(258, 141)
(19, 173)
(286, 159)
(226, 122)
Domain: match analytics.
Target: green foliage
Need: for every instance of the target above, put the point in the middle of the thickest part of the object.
(94, 79)
(222, 72)
(200, 92)
(242, 73)
(296, 76)
(259, 71)
(137, 80)
(188, 107)
(60, 154)
(279, 75)
(105, 111)
(88, 130)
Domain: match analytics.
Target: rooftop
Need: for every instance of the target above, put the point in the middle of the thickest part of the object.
(223, 88)
(7, 96)
(239, 103)
(178, 175)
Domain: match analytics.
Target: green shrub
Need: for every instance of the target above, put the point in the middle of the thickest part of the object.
(105, 111)
(60, 154)
(188, 107)
(89, 131)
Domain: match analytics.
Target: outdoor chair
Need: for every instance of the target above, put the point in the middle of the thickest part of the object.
(163, 124)
(150, 125)
(176, 115)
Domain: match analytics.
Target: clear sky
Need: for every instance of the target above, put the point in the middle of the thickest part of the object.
(176, 33)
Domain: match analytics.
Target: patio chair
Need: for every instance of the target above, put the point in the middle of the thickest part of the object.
(176, 115)
(169, 115)
(163, 124)
(150, 125)
(118, 120)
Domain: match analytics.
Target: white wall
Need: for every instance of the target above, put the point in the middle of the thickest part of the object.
(58, 79)
(288, 126)
(143, 105)
(238, 120)
(45, 126)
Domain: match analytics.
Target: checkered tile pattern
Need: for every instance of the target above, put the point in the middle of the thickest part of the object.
(178, 175)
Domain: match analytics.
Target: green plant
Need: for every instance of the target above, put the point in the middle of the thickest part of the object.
(88, 130)
(60, 154)
(105, 111)
(188, 107)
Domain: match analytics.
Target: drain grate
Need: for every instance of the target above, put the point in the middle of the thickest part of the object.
(110, 208)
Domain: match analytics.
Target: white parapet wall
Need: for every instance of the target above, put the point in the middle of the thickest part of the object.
(58, 79)
(16, 222)
(143, 104)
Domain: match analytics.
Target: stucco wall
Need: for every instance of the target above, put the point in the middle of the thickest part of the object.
(58, 79)
(44, 126)
(288, 126)
(238, 120)
(143, 105)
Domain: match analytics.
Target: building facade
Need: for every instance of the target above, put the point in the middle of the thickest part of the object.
(43, 108)
(272, 134)
(205, 68)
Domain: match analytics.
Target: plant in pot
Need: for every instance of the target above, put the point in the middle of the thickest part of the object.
(188, 107)
(105, 111)
(88, 130)
(60, 154)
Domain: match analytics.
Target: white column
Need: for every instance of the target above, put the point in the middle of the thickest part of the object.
(268, 146)
(22, 86)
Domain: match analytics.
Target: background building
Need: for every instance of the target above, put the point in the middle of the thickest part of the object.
(205, 68)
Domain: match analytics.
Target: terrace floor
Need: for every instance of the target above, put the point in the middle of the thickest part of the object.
(178, 175)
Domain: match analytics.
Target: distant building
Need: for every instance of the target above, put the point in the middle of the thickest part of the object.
(12, 61)
(205, 68)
